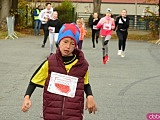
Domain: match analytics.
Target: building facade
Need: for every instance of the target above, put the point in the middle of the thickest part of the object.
(135, 9)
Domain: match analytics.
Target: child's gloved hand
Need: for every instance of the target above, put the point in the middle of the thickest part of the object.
(90, 104)
(26, 104)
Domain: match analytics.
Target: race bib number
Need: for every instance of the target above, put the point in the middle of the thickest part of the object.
(94, 27)
(106, 26)
(62, 84)
(52, 29)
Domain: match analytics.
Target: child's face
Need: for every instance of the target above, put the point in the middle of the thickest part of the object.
(95, 15)
(79, 24)
(123, 13)
(55, 15)
(108, 14)
(67, 45)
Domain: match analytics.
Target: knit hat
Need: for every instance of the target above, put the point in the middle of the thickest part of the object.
(69, 30)
(108, 10)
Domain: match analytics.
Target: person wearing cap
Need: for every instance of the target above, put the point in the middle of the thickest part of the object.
(68, 65)
(122, 25)
(106, 25)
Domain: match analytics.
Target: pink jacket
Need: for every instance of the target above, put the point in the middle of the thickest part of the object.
(106, 24)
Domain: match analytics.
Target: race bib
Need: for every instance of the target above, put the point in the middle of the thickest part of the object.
(62, 84)
(52, 29)
(94, 27)
(106, 26)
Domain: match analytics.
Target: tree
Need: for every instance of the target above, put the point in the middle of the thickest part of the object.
(157, 4)
(65, 11)
(154, 19)
(97, 6)
(4, 12)
(14, 9)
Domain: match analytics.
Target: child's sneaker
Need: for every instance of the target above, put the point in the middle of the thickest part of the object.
(41, 115)
(104, 60)
(119, 52)
(123, 54)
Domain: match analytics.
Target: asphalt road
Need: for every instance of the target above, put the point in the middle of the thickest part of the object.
(124, 89)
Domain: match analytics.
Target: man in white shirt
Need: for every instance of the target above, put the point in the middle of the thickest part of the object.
(44, 16)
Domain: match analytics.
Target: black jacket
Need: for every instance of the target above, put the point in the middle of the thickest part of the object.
(94, 23)
(122, 23)
(55, 23)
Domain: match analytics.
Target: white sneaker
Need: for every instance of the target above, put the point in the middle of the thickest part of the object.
(41, 115)
(119, 52)
(122, 54)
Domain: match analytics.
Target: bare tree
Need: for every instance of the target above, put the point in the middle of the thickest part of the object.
(4, 12)
(97, 6)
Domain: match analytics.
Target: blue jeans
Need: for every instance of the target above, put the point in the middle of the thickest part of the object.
(37, 26)
(80, 44)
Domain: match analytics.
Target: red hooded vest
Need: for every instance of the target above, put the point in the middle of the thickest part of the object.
(57, 107)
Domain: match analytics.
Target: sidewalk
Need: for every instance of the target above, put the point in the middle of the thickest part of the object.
(124, 89)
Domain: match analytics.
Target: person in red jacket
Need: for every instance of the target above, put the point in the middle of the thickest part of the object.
(106, 25)
(64, 76)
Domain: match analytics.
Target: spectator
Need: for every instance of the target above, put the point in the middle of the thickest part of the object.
(37, 22)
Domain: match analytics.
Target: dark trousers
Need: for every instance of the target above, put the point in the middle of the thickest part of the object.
(122, 36)
(95, 33)
(46, 33)
(80, 44)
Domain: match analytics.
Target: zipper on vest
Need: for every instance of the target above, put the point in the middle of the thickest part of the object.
(64, 99)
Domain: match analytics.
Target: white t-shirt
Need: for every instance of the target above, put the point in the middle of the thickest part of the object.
(45, 14)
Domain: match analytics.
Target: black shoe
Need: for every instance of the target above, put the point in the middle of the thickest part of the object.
(97, 41)
(106, 42)
(42, 46)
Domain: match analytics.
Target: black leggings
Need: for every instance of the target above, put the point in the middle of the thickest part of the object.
(122, 36)
(46, 33)
(95, 33)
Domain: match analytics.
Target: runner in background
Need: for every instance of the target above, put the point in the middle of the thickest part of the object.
(122, 24)
(82, 33)
(44, 16)
(95, 31)
(106, 25)
(54, 26)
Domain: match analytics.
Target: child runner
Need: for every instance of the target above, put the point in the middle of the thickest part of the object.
(44, 16)
(106, 25)
(54, 26)
(84, 26)
(64, 76)
(95, 31)
(122, 23)
(82, 33)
